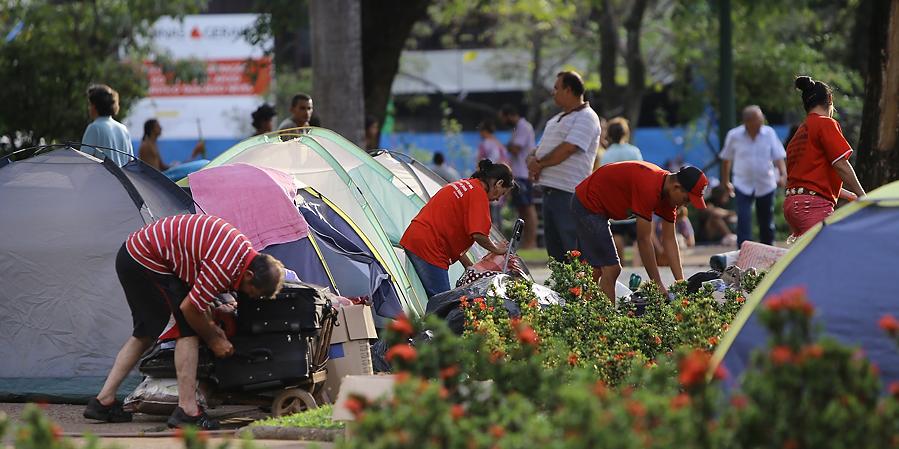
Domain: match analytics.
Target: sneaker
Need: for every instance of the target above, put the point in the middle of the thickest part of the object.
(181, 419)
(106, 413)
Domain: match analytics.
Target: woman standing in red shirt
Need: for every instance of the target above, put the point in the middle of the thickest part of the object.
(817, 161)
(457, 216)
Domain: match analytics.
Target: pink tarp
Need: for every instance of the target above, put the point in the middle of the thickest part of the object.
(257, 201)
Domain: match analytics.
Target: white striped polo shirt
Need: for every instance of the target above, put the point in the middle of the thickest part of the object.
(580, 128)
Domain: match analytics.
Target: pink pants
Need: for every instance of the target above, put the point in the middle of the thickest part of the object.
(804, 211)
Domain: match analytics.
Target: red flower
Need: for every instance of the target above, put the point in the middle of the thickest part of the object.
(497, 431)
(741, 299)
(574, 254)
(402, 376)
(450, 371)
(720, 372)
(355, 404)
(572, 359)
(636, 409)
(56, 432)
(693, 368)
(680, 401)
(528, 336)
(894, 389)
(576, 291)
(657, 340)
(685, 302)
(713, 340)
(403, 351)
(600, 389)
(739, 401)
(774, 304)
(457, 411)
(814, 351)
(533, 304)
(781, 355)
(402, 326)
(496, 356)
(889, 324)
(679, 317)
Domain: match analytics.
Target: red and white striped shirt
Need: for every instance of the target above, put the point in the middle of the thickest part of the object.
(202, 250)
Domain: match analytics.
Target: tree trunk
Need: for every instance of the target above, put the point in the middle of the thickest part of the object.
(878, 146)
(386, 25)
(609, 91)
(633, 58)
(337, 67)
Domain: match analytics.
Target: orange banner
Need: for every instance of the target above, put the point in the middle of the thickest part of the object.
(223, 77)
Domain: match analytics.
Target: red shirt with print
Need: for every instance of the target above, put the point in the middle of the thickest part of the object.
(620, 189)
(811, 153)
(442, 230)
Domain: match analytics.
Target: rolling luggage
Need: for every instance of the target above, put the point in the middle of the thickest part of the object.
(264, 361)
(298, 308)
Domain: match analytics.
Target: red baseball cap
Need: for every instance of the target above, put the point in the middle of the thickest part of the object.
(693, 181)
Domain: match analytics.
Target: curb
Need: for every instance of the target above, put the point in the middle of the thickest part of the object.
(291, 433)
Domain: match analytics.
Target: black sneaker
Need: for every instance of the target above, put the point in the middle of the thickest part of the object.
(106, 413)
(202, 421)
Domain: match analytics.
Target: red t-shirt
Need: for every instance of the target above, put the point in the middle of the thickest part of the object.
(620, 189)
(811, 153)
(442, 230)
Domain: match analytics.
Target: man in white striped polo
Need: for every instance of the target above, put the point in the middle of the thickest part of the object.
(176, 267)
(563, 159)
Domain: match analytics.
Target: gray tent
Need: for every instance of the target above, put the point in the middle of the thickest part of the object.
(63, 315)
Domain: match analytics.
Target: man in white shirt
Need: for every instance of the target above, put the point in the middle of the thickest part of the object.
(300, 112)
(563, 159)
(754, 151)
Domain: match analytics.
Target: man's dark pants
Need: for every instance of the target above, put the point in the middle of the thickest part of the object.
(764, 211)
(559, 230)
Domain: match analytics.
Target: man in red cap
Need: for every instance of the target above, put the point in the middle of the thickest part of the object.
(635, 188)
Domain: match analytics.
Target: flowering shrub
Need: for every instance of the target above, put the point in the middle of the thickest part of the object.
(799, 393)
(591, 331)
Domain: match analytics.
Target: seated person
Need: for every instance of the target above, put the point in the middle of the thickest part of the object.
(716, 221)
(684, 230)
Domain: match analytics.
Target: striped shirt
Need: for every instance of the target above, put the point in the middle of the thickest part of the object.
(204, 251)
(580, 128)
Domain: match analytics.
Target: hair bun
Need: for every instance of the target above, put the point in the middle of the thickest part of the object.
(804, 83)
(485, 165)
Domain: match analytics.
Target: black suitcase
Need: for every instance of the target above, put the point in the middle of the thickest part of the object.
(264, 361)
(298, 308)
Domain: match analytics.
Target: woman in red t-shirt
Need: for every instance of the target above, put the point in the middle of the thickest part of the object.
(817, 161)
(457, 216)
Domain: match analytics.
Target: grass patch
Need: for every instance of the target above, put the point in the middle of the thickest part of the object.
(533, 255)
(319, 418)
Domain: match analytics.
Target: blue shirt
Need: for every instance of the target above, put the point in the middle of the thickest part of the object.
(620, 152)
(104, 131)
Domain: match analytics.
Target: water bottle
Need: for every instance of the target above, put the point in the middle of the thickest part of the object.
(634, 283)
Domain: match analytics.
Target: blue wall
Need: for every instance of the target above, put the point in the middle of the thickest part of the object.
(657, 144)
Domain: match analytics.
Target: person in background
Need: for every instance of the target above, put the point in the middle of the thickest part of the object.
(683, 232)
(757, 157)
(446, 171)
(520, 145)
(490, 148)
(105, 131)
(716, 219)
(262, 119)
(300, 112)
(149, 146)
(616, 191)
(372, 133)
(620, 150)
(817, 161)
(603, 142)
(563, 159)
(456, 217)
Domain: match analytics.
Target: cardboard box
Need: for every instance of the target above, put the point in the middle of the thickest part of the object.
(349, 353)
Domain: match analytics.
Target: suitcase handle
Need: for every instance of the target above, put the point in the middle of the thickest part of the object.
(259, 355)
